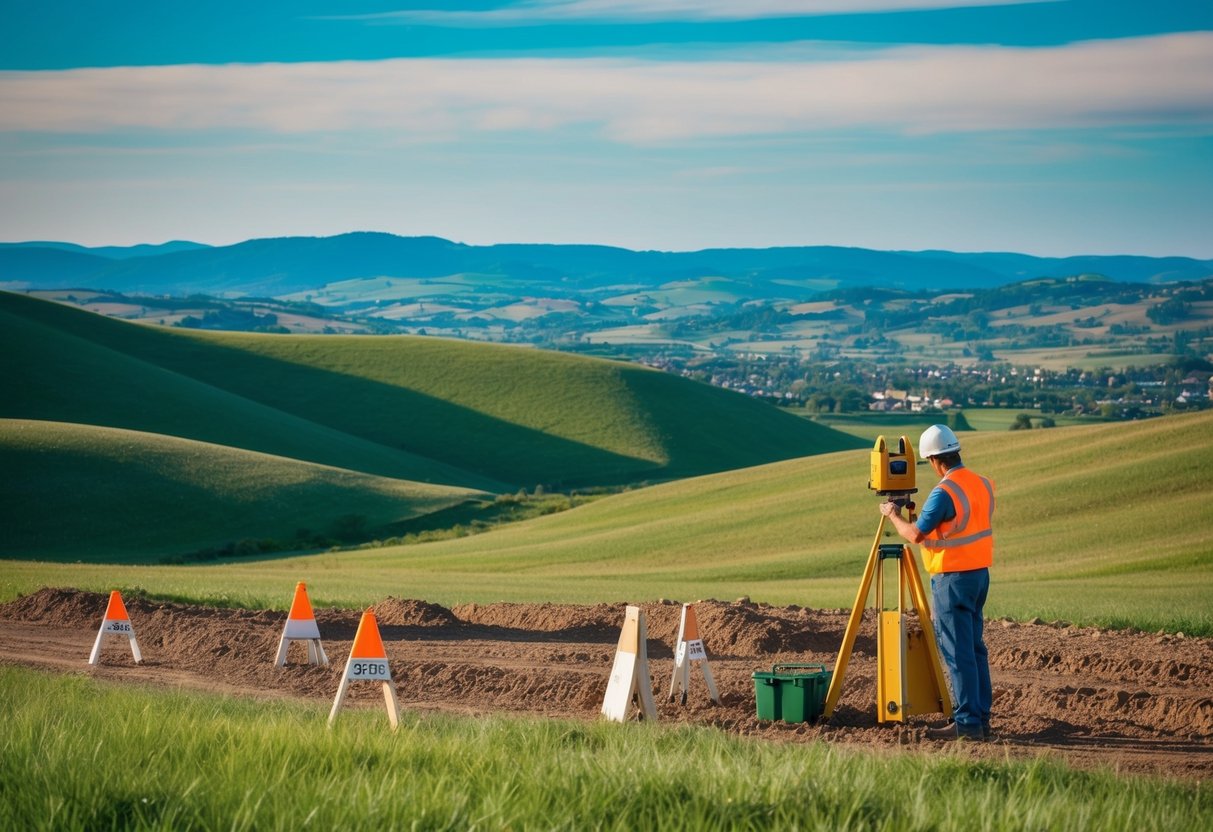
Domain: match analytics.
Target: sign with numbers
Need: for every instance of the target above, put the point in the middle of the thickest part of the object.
(368, 663)
(374, 671)
(690, 649)
(115, 622)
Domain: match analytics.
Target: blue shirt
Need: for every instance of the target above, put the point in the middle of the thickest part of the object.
(937, 509)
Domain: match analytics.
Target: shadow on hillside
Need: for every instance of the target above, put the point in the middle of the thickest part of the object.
(420, 424)
(761, 434)
(388, 415)
(741, 434)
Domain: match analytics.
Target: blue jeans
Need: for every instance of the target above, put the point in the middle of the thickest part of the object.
(959, 598)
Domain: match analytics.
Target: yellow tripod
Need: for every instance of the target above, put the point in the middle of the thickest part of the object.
(909, 677)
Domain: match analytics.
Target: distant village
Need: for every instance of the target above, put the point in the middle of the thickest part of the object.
(851, 386)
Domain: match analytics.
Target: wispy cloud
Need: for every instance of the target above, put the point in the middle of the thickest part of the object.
(1145, 81)
(554, 11)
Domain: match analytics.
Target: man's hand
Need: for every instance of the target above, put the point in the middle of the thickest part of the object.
(904, 527)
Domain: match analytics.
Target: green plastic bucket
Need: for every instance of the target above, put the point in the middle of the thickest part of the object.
(796, 696)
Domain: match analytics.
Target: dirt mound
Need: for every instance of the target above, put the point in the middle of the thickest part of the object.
(1133, 701)
(742, 628)
(545, 618)
(412, 613)
(57, 606)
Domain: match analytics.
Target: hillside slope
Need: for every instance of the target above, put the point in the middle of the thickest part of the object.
(58, 369)
(1098, 519)
(1098, 524)
(75, 492)
(516, 416)
(1115, 497)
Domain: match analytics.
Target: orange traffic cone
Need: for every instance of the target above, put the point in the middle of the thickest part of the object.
(301, 626)
(689, 648)
(368, 662)
(116, 621)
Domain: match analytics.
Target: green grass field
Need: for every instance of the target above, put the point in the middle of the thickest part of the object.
(79, 754)
(1095, 524)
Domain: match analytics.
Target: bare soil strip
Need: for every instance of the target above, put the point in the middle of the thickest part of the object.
(1135, 702)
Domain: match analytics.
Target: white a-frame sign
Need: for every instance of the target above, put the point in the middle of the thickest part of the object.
(116, 622)
(301, 626)
(630, 674)
(690, 649)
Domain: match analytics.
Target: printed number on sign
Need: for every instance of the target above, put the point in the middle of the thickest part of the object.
(119, 627)
(368, 669)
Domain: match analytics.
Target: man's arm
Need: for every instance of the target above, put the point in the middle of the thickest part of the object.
(936, 509)
(904, 527)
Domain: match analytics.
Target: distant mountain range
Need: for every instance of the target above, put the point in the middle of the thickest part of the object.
(274, 267)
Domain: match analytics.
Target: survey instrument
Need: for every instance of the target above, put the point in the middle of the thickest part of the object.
(909, 676)
(892, 471)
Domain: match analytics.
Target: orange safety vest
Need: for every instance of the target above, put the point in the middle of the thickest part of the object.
(966, 541)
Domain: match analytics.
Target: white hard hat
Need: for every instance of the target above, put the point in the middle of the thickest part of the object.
(936, 440)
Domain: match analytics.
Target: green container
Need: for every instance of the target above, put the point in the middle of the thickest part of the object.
(797, 696)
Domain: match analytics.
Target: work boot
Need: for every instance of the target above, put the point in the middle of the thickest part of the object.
(947, 731)
(952, 731)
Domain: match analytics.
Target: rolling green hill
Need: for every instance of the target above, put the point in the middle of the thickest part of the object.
(1104, 523)
(58, 370)
(101, 494)
(1098, 501)
(415, 408)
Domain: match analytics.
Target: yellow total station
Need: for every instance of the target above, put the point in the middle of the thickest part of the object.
(892, 471)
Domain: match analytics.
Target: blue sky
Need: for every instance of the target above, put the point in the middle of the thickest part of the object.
(1058, 127)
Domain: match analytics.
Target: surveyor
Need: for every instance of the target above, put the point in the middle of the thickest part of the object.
(958, 549)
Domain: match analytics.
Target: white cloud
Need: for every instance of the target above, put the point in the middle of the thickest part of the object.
(552, 11)
(1160, 80)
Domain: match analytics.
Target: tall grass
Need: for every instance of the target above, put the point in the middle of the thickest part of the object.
(77, 754)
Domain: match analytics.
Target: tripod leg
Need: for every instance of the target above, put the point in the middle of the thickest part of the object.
(848, 639)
